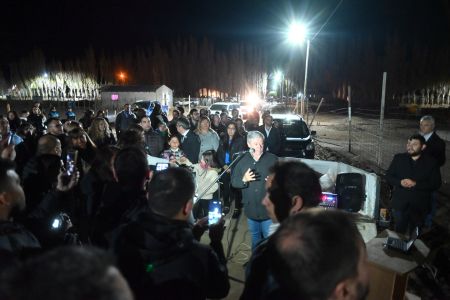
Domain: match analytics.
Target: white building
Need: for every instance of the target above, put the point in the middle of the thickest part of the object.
(115, 96)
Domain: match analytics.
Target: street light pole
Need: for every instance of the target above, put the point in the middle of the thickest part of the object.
(297, 35)
(302, 107)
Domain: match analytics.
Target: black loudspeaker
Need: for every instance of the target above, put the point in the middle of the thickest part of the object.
(350, 191)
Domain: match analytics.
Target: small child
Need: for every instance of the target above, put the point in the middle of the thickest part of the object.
(174, 153)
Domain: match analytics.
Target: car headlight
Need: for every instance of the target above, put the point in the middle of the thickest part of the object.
(310, 147)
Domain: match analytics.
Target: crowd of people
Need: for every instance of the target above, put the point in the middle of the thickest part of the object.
(85, 213)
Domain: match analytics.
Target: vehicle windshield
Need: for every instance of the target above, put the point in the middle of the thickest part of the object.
(294, 128)
(218, 107)
(143, 104)
(280, 109)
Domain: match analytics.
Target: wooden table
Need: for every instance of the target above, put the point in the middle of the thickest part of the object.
(389, 268)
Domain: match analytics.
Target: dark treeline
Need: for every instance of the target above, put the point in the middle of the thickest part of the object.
(335, 63)
(187, 65)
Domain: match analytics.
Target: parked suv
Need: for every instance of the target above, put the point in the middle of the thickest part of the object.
(217, 107)
(297, 139)
(145, 104)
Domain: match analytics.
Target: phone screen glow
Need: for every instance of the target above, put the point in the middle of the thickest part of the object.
(215, 212)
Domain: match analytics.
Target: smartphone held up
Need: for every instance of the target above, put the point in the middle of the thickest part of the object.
(215, 212)
(161, 167)
(71, 162)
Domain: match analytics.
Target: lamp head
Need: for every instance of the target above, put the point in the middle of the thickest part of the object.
(297, 33)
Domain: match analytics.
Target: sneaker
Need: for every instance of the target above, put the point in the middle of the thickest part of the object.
(226, 210)
(236, 213)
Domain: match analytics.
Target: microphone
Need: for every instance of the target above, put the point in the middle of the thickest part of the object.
(251, 150)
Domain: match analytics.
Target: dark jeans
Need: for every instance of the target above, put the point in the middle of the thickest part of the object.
(432, 214)
(408, 219)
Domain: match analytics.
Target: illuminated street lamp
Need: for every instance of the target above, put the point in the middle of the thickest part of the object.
(297, 35)
(122, 77)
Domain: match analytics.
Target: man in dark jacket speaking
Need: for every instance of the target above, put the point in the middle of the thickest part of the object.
(250, 175)
(414, 177)
(158, 253)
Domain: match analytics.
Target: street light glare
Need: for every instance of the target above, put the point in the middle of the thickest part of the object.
(297, 33)
(253, 98)
(278, 76)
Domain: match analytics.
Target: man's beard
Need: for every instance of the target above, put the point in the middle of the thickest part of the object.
(416, 153)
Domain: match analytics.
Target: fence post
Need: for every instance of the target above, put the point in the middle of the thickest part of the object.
(349, 102)
(380, 137)
(317, 110)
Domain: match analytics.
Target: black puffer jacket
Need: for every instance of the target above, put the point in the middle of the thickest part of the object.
(161, 258)
(15, 239)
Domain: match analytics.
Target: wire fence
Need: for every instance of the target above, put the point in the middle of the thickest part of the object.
(376, 139)
(372, 141)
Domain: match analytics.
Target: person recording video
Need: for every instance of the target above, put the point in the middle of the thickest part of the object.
(50, 220)
(160, 253)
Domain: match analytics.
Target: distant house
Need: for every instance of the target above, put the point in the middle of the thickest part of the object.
(115, 96)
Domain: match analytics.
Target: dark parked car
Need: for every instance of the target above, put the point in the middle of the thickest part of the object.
(297, 139)
(144, 104)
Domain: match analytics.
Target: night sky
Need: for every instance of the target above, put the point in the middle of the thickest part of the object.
(62, 28)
